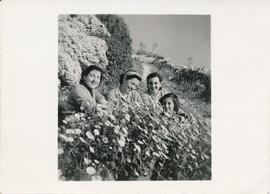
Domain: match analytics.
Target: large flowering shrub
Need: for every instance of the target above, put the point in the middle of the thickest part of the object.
(81, 42)
(133, 143)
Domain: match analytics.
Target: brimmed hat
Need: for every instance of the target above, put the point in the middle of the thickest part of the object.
(134, 72)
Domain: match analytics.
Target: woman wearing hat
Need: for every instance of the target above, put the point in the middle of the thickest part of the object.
(84, 95)
(126, 92)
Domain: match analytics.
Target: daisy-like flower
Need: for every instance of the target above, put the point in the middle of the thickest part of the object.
(60, 151)
(108, 123)
(156, 154)
(77, 131)
(69, 139)
(105, 140)
(90, 170)
(116, 129)
(91, 149)
(77, 116)
(97, 127)
(90, 135)
(70, 131)
(127, 117)
(86, 161)
(96, 132)
(121, 142)
(63, 137)
(124, 129)
(138, 148)
(82, 140)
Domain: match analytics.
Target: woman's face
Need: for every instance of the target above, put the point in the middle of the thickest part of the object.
(153, 85)
(92, 80)
(168, 105)
(131, 84)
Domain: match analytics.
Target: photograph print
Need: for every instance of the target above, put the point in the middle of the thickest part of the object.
(134, 97)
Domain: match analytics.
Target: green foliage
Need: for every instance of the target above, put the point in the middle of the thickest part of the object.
(193, 82)
(119, 49)
(133, 143)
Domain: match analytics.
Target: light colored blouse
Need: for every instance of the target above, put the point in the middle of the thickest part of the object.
(153, 101)
(117, 98)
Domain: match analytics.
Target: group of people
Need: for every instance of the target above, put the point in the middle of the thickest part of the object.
(84, 96)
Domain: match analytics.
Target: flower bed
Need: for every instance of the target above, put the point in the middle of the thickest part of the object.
(133, 144)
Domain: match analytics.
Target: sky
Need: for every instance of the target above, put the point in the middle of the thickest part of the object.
(178, 36)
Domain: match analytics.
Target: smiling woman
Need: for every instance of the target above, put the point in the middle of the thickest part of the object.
(84, 96)
(126, 92)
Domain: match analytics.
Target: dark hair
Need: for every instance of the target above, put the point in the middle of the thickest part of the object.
(128, 77)
(88, 70)
(154, 74)
(175, 100)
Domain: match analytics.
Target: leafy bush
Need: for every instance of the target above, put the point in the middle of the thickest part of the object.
(119, 49)
(133, 144)
(194, 82)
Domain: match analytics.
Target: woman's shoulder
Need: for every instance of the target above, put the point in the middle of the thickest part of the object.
(79, 87)
(80, 91)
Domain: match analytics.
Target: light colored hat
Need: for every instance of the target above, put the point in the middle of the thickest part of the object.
(133, 71)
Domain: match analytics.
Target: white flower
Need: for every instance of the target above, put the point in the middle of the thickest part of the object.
(69, 139)
(96, 132)
(70, 131)
(60, 151)
(90, 170)
(147, 153)
(82, 140)
(96, 161)
(77, 115)
(91, 149)
(90, 135)
(138, 148)
(121, 142)
(127, 117)
(86, 161)
(108, 123)
(116, 129)
(156, 154)
(78, 131)
(105, 140)
(112, 117)
(63, 137)
(97, 127)
(124, 129)
(64, 121)
(140, 142)
(136, 173)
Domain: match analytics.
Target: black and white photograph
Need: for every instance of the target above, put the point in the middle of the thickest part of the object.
(134, 97)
